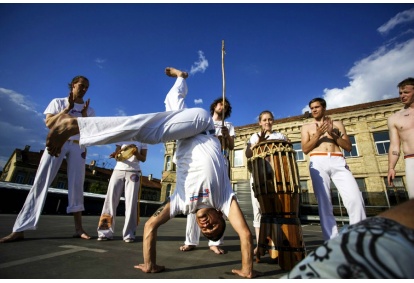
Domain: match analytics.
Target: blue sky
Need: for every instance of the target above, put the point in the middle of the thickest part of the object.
(278, 57)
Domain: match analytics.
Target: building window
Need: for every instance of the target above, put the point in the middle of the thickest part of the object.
(238, 158)
(169, 166)
(20, 177)
(61, 184)
(382, 142)
(336, 197)
(168, 191)
(354, 149)
(304, 191)
(398, 193)
(361, 184)
(30, 181)
(299, 153)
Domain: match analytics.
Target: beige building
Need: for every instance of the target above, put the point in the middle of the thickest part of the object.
(366, 125)
(22, 166)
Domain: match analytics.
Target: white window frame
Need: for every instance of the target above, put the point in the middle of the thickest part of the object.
(382, 143)
(238, 158)
(299, 151)
(354, 147)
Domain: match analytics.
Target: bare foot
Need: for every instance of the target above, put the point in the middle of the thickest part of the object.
(251, 274)
(217, 250)
(187, 248)
(14, 236)
(64, 128)
(175, 73)
(152, 269)
(82, 235)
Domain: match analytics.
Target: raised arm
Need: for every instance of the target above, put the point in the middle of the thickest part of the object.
(248, 152)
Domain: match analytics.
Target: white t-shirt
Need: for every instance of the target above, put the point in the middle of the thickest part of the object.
(229, 125)
(132, 163)
(254, 139)
(57, 105)
(202, 179)
(272, 136)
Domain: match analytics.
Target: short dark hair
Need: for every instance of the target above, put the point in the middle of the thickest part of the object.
(407, 81)
(76, 79)
(220, 233)
(220, 100)
(318, 99)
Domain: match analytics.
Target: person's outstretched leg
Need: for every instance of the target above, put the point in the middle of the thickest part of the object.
(29, 215)
(174, 99)
(148, 128)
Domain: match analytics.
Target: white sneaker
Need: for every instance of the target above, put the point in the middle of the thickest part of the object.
(129, 240)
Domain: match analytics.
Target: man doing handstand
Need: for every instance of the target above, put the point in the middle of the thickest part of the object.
(203, 186)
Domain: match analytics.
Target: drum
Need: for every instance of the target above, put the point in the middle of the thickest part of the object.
(276, 187)
(126, 152)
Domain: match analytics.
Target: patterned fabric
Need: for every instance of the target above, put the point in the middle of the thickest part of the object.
(374, 248)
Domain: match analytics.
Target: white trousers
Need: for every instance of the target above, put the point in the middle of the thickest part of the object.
(121, 181)
(324, 168)
(192, 233)
(409, 175)
(29, 215)
(176, 123)
(257, 212)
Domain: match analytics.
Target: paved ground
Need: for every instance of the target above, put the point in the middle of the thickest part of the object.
(51, 253)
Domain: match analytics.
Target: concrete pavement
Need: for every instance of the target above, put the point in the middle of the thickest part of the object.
(51, 253)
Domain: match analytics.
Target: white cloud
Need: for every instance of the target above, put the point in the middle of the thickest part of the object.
(401, 18)
(201, 65)
(99, 62)
(374, 77)
(20, 124)
(198, 101)
(120, 112)
(17, 98)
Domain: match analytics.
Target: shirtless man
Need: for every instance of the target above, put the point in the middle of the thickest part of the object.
(401, 131)
(203, 189)
(323, 139)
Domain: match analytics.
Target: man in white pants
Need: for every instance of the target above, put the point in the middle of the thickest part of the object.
(226, 136)
(126, 178)
(323, 140)
(28, 218)
(203, 186)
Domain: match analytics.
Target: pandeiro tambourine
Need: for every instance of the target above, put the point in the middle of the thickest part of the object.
(126, 152)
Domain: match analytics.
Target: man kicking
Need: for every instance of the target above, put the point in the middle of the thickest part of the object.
(203, 186)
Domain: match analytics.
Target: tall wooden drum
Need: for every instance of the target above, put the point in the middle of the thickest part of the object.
(276, 187)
